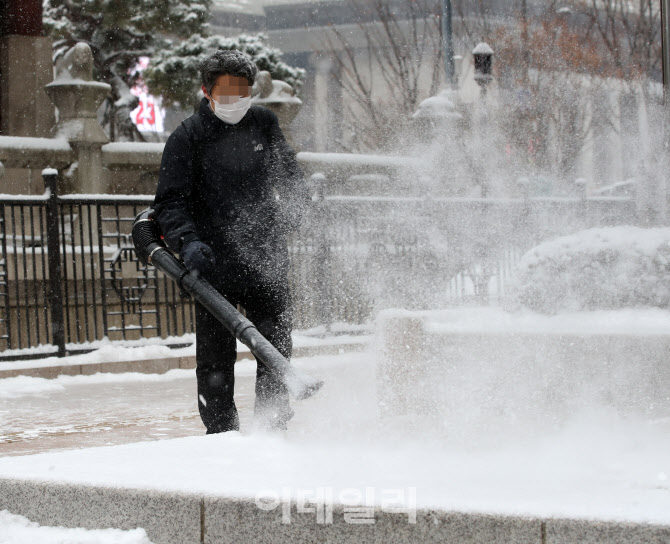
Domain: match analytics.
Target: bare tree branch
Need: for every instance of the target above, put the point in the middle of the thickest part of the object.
(397, 43)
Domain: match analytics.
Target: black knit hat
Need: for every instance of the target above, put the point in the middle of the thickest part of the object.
(227, 61)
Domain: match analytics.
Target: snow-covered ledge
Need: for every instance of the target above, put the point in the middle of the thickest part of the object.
(484, 366)
(25, 152)
(192, 518)
(347, 164)
(132, 154)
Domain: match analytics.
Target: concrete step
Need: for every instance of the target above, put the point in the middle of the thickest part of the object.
(53, 368)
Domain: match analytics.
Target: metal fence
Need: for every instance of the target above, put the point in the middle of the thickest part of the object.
(69, 275)
(420, 253)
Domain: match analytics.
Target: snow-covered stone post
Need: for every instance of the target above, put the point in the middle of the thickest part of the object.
(483, 59)
(280, 97)
(581, 185)
(78, 98)
(439, 115)
(437, 119)
(483, 56)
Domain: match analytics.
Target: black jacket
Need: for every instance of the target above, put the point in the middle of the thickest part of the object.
(217, 182)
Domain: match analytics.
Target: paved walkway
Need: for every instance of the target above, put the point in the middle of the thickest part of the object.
(84, 412)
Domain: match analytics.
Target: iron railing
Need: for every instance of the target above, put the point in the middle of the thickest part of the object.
(69, 275)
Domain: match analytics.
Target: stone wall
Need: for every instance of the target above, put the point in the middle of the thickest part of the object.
(489, 371)
(195, 518)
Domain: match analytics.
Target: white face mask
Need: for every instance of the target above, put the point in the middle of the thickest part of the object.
(232, 113)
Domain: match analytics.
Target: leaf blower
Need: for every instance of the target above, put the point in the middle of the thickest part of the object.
(151, 249)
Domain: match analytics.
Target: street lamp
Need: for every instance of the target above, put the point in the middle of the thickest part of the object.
(665, 53)
(447, 37)
(483, 55)
(665, 41)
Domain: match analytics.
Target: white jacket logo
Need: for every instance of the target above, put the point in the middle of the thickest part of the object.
(259, 147)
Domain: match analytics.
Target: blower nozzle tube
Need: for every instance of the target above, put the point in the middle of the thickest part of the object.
(151, 249)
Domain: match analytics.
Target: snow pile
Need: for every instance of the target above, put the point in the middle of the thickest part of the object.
(20, 530)
(110, 351)
(21, 386)
(106, 351)
(596, 269)
(598, 467)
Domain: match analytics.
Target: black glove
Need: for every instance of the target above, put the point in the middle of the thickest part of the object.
(197, 256)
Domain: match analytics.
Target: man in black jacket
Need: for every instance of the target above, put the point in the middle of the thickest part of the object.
(229, 191)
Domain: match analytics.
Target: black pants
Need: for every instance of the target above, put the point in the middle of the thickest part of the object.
(268, 307)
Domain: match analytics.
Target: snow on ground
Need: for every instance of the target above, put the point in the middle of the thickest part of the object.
(20, 530)
(599, 464)
(598, 468)
(20, 386)
(107, 351)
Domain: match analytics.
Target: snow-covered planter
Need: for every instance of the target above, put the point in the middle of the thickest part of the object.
(482, 371)
(596, 269)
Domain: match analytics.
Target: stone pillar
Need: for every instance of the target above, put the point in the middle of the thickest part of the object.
(25, 68)
(280, 97)
(78, 98)
(323, 66)
(651, 192)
